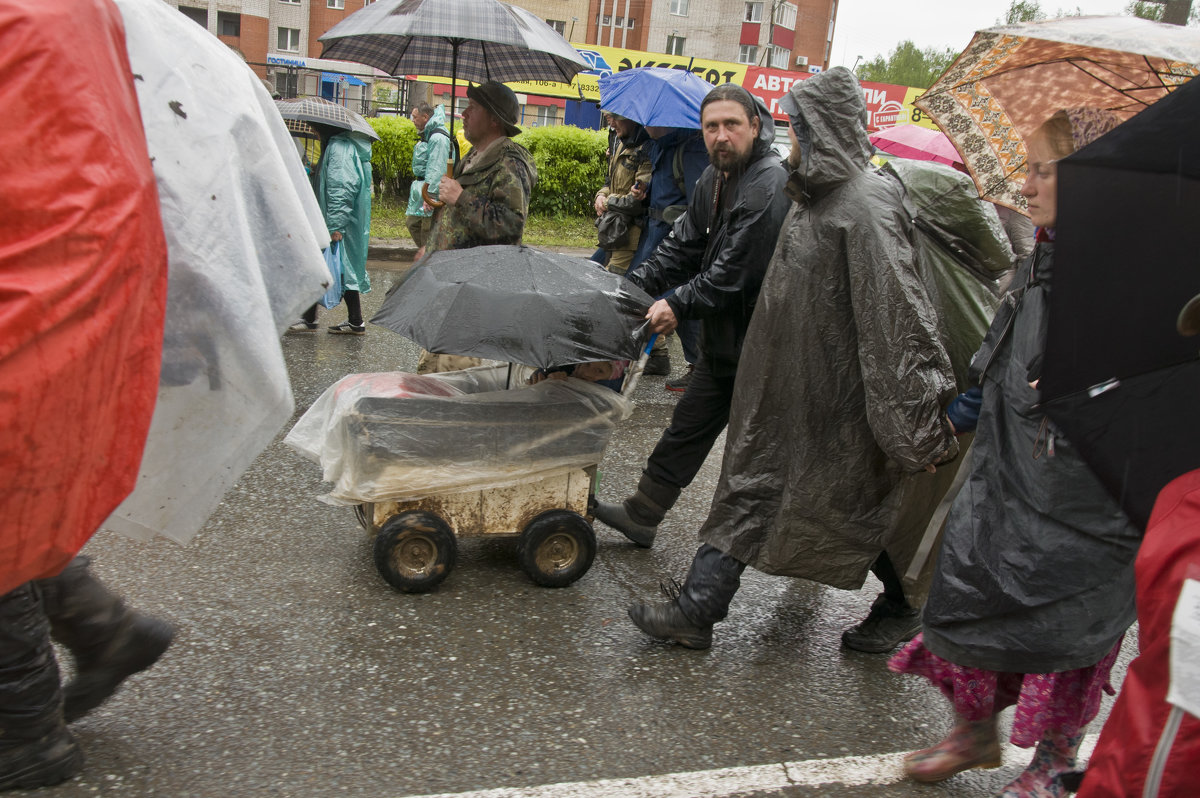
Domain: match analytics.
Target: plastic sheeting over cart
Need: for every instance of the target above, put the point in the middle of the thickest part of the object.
(399, 436)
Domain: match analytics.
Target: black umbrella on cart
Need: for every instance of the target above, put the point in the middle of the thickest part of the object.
(518, 304)
(1121, 373)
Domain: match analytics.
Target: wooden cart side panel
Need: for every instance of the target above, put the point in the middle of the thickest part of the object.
(504, 510)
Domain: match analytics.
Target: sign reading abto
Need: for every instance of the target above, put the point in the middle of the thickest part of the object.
(887, 105)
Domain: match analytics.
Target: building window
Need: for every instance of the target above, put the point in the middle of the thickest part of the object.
(546, 115)
(604, 21)
(779, 57)
(754, 12)
(335, 4)
(785, 15)
(559, 25)
(229, 24)
(197, 15)
(289, 40)
(679, 7)
(290, 2)
(630, 22)
(675, 45)
(747, 54)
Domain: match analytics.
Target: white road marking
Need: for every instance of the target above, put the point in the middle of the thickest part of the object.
(848, 771)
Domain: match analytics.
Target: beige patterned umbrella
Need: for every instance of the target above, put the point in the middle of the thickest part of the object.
(1012, 78)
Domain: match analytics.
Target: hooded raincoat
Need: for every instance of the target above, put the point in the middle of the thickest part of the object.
(1036, 571)
(429, 162)
(344, 193)
(839, 396)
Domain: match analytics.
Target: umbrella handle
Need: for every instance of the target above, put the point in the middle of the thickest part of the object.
(430, 201)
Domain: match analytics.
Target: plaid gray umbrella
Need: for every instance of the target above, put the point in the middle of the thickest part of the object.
(470, 40)
(323, 112)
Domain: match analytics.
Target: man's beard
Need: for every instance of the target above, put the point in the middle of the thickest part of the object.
(730, 160)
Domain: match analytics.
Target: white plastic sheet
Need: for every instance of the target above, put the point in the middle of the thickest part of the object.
(398, 436)
(244, 237)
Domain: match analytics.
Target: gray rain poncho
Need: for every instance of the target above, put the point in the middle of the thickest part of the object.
(843, 376)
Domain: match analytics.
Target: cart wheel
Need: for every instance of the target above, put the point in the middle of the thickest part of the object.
(415, 551)
(557, 548)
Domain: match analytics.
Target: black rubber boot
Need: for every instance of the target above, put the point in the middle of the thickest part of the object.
(666, 620)
(109, 641)
(889, 624)
(638, 517)
(36, 750)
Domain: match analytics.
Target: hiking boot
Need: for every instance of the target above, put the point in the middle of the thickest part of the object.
(638, 517)
(132, 650)
(48, 760)
(657, 366)
(346, 328)
(888, 625)
(680, 383)
(666, 621)
(303, 327)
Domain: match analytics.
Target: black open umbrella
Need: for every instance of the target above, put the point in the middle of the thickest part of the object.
(517, 304)
(1121, 373)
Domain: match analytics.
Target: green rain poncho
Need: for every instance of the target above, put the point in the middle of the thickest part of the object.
(429, 162)
(344, 194)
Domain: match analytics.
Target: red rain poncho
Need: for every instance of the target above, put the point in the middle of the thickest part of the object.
(83, 280)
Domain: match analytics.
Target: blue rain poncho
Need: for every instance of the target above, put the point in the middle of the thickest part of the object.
(429, 162)
(344, 194)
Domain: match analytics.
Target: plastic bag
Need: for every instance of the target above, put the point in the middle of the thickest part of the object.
(333, 260)
(398, 436)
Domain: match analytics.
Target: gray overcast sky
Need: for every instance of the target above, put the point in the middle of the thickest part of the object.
(873, 27)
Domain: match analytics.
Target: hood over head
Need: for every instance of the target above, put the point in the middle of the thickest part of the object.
(436, 120)
(829, 117)
(361, 143)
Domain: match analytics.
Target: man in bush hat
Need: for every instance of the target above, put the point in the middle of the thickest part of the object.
(487, 200)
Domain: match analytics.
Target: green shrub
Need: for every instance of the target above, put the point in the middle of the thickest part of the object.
(391, 156)
(571, 168)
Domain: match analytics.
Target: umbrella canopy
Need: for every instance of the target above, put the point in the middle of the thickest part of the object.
(299, 113)
(472, 40)
(1012, 78)
(917, 143)
(655, 96)
(1121, 373)
(517, 304)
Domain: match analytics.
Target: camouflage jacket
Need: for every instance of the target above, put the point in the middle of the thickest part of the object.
(494, 202)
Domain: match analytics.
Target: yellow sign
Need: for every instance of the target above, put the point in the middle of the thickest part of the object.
(604, 60)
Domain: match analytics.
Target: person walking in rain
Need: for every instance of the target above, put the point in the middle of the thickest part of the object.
(677, 159)
(1034, 585)
(824, 458)
(487, 199)
(429, 165)
(621, 201)
(343, 188)
(715, 260)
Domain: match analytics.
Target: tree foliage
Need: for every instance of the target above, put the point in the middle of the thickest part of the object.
(1164, 11)
(1024, 11)
(908, 65)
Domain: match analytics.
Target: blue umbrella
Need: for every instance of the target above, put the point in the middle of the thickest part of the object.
(655, 96)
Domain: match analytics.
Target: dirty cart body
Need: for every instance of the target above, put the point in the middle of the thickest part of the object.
(427, 459)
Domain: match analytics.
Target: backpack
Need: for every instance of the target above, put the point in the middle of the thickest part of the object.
(454, 154)
(963, 252)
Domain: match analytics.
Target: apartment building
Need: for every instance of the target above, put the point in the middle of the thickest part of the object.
(784, 34)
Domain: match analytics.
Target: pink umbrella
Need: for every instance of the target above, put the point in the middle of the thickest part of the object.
(918, 143)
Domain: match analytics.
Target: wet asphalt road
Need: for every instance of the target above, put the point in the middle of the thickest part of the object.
(298, 672)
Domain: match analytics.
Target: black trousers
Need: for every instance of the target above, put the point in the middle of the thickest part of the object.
(353, 310)
(699, 417)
